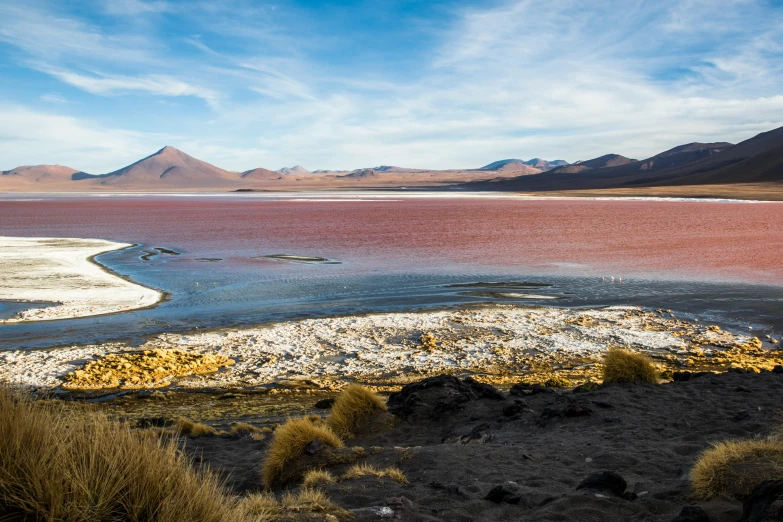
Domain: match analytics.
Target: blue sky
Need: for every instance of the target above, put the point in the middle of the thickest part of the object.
(341, 85)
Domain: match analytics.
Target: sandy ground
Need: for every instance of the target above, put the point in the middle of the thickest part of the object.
(61, 270)
(500, 343)
(651, 435)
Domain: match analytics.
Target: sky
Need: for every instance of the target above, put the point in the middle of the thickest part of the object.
(341, 85)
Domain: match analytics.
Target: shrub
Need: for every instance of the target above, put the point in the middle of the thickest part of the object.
(362, 470)
(354, 406)
(626, 366)
(317, 477)
(264, 507)
(78, 466)
(734, 467)
(194, 429)
(290, 443)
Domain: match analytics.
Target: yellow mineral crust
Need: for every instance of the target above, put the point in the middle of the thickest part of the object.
(144, 369)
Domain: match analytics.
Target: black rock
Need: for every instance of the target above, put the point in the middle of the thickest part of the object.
(687, 376)
(743, 389)
(435, 397)
(565, 407)
(508, 493)
(324, 404)
(523, 389)
(153, 422)
(314, 447)
(741, 416)
(605, 481)
(692, 514)
(777, 369)
(478, 435)
(765, 503)
(511, 409)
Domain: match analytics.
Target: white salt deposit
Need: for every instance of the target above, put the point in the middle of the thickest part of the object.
(61, 270)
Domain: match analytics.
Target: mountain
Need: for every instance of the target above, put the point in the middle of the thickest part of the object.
(607, 160)
(755, 160)
(170, 168)
(261, 174)
(536, 163)
(39, 174)
(296, 169)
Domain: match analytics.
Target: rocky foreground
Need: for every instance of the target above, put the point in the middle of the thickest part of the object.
(594, 453)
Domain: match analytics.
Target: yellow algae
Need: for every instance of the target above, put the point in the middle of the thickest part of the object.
(144, 369)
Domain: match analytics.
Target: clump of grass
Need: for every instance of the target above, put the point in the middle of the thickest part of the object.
(354, 406)
(243, 428)
(363, 470)
(624, 366)
(290, 443)
(263, 507)
(317, 477)
(78, 466)
(734, 467)
(188, 427)
(558, 382)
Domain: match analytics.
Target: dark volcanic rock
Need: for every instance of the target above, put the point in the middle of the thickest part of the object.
(687, 376)
(512, 408)
(765, 503)
(692, 514)
(434, 397)
(324, 404)
(478, 435)
(566, 407)
(508, 493)
(605, 481)
(522, 389)
(777, 369)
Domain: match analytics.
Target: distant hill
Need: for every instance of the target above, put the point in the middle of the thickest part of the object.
(262, 174)
(607, 160)
(40, 174)
(296, 169)
(169, 168)
(756, 160)
(537, 163)
(706, 169)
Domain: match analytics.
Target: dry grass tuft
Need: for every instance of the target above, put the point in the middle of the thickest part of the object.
(363, 470)
(78, 466)
(623, 366)
(317, 477)
(290, 443)
(353, 406)
(243, 428)
(733, 468)
(194, 429)
(308, 502)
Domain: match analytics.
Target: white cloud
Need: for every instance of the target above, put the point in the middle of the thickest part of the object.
(34, 137)
(51, 97)
(158, 85)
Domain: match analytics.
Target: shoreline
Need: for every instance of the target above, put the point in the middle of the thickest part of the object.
(65, 271)
(381, 194)
(500, 344)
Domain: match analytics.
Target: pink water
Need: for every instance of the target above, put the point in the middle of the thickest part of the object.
(642, 239)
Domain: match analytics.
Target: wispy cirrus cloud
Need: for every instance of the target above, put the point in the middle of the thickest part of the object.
(158, 85)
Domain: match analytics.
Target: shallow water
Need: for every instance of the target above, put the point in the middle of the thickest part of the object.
(718, 261)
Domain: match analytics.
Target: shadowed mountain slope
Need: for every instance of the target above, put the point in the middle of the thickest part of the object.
(756, 160)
